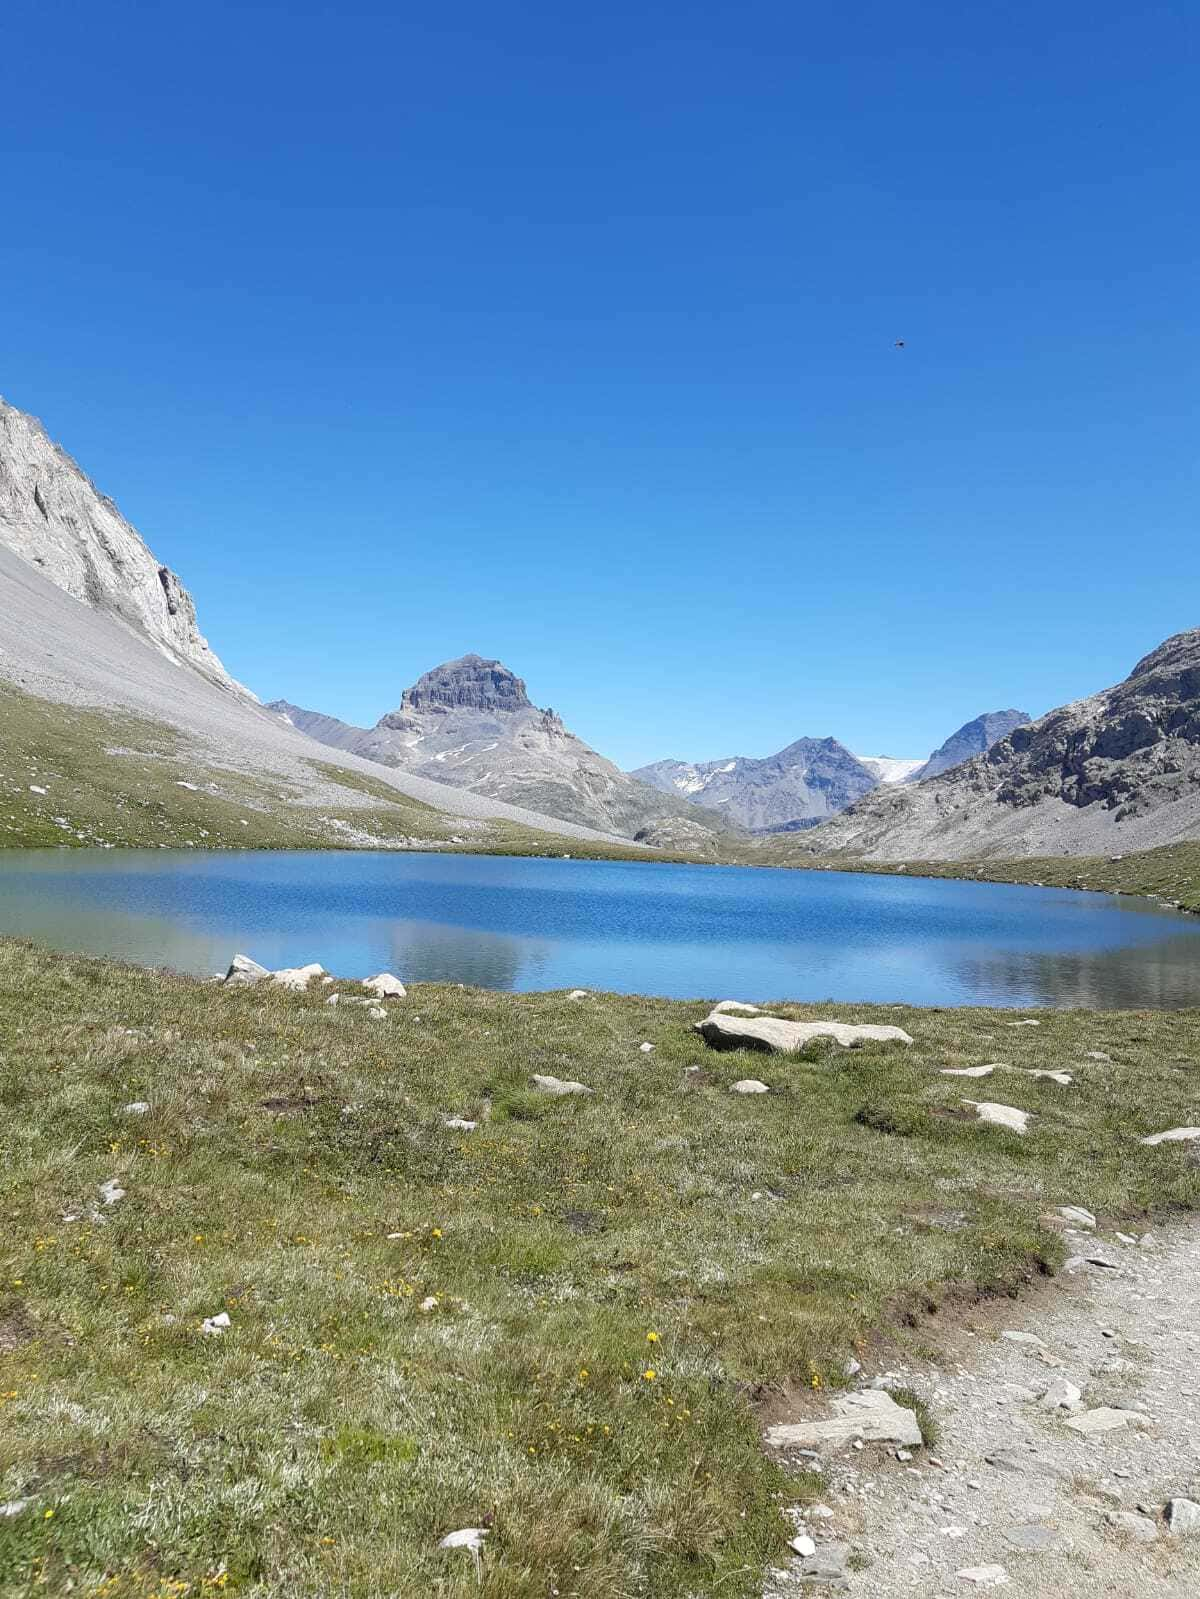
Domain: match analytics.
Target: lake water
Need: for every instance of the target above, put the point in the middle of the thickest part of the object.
(684, 931)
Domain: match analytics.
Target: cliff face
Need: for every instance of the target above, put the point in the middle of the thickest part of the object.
(53, 516)
(1120, 769)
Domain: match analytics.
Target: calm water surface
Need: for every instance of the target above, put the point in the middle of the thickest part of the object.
(684, 931)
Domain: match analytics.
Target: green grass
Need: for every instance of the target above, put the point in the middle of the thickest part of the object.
(328, 1440)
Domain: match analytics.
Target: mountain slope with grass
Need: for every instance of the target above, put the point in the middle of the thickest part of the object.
(471, 723)
(105, 675)
(1119, 771)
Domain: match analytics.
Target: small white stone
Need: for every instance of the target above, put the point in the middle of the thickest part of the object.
(803, 1545)
(1176, 1135)
(646, 1048)
(578, 993)
(749, 1085)
(460, 1124)
(1008, 1116)
(987, 1576)
(1077, 1216)
(1024, 1338)
(111, 1191)
(465, 1538)
(377, 1013)
(428, 1304)
(215, 1324)
(14, 1507)
(334, 999)
(137, 1107)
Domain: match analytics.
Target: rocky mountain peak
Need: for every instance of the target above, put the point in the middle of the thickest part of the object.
(470, 683)
(53, 516)
(1178, 655)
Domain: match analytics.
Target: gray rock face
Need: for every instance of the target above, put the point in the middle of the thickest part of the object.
(973, 738)
(54, 517)
(471, 723)
(1120, 770)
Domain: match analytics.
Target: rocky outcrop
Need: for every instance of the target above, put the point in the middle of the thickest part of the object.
(53, 516)
(471, 723)
(1119, 770)
(973, 738)
(813, 778)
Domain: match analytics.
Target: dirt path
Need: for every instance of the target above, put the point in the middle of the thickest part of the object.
(1021, 1499)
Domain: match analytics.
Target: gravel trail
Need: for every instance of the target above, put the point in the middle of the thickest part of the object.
(1022, 1501)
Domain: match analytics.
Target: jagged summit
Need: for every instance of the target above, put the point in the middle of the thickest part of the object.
(470, 683)
(53, 516)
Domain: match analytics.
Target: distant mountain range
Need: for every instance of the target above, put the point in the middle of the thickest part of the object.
(812, 779)
(1119, 770)
(471, 723)
(89, 617)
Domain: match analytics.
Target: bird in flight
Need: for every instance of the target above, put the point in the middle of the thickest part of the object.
(899, 345)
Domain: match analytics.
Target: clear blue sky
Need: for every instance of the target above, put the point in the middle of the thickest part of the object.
(566, 334)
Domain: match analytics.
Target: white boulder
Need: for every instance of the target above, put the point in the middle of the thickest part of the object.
(243, 970)
(384, 986)
(1176, 1135)
(749, 1085)
(725, 1031)
(296, 978)
(1017, 1121)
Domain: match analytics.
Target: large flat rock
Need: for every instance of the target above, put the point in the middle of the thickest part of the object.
(725, 1030)
(874, 1416)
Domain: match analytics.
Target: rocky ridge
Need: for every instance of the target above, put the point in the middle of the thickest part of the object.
(471, 723)
(1118, 770)
(973, 738)
(53, 516)
(813, 778)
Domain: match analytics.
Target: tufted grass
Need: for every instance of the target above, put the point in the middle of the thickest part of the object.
(326, 1442)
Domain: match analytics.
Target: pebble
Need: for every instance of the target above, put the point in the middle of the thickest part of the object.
(987, 1576)
(803, 1545)
(646, 1048)
(1183, 1518)
(428, 1304)
(111, 1191)
(1140, 1528)
(137, 1107)
(215, 1324)
(1032, 1539)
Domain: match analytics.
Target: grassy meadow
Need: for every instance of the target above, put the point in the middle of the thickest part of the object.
(565, 1325)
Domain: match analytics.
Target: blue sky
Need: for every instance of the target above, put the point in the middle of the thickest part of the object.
(567, 335)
